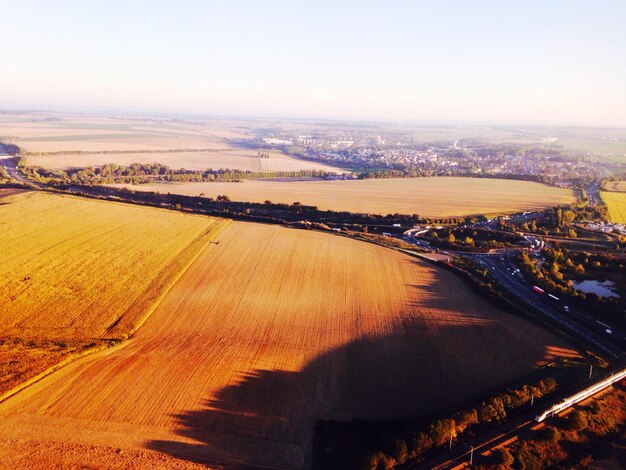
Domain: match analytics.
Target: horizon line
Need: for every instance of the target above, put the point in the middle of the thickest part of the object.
(103, 112)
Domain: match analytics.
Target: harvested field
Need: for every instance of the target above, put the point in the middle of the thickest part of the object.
(5, 192)
(224, 157)
(75, 271)
(266, 333)
(430, 197)
(616, 204)
(50, 455)
(62, 142)
(619, 186)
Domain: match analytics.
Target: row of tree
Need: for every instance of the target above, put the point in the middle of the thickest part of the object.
(438, 433)
(4, 176)
(562, 267)
(137, 173)
(593, 436)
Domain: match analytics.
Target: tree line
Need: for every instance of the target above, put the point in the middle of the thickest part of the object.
(562, 267)
(414, 444)
(137, 173)
(590, 436)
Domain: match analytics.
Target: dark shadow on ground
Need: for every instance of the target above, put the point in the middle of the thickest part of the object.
(266, 420)
(445, 346)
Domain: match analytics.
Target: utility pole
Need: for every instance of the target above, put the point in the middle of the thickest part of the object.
(590, 370)
(532, 399)
(472, 456)
(450, 441)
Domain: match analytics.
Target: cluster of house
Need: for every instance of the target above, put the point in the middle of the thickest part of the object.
(606, 227)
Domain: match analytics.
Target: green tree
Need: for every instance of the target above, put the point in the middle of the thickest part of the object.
(551, 434)
(559, 217)
(422, 443)
(577, 420)
(502, 457)
(401, 451)
(441, 430)
(492, 410)
(376, 461)
(568, 216)
(464, 419)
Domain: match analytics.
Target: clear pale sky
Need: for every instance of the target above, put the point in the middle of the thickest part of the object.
(557, 61)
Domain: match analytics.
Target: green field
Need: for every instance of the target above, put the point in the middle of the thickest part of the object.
(616, 204)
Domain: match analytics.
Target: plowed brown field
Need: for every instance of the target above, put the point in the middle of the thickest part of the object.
(75, 271)
(263, 335)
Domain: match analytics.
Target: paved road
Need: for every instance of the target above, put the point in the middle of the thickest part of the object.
(593, 193)
(501, 268)
(9, 163)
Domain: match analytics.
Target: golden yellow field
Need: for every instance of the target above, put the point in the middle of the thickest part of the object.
(266, 333)
(75, 270)
(430, 197)
(616, 204)
(134, 140)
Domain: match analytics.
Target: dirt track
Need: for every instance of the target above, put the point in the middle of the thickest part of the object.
(264, 334)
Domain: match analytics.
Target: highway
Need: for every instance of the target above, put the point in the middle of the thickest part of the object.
(503, 269)
(578, 324)
(593, 193)
(9, 163)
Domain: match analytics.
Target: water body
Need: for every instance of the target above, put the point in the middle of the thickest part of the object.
(601, 289)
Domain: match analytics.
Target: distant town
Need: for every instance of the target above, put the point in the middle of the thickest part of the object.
(372, 153)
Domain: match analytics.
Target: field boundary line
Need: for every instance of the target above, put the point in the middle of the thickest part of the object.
(223, 223)
(59, 365)
(509, 307)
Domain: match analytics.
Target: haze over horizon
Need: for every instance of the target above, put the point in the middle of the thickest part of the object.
(560, 62)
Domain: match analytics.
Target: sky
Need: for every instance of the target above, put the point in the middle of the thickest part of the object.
(538, 62)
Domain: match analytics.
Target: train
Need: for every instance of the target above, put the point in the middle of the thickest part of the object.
(580, 396)
(607, 329)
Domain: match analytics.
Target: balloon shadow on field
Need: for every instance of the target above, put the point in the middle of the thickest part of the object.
(266, 419)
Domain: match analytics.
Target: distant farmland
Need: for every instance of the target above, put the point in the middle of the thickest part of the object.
(78, 141)
(431, 197)
(616, 204)
(74, 271)
(264, 334)
(619, 186)
(241, 159)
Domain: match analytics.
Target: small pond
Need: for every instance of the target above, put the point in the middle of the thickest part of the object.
(601, 289)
